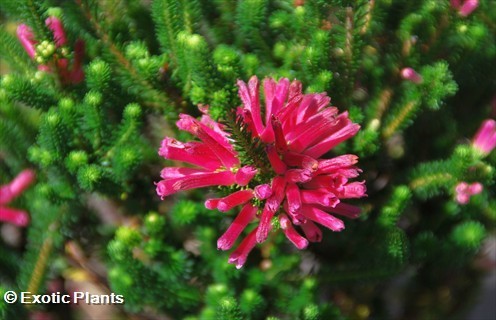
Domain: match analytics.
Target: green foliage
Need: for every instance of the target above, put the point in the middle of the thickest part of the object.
(397, 202)
(468, 235)
(144, 269)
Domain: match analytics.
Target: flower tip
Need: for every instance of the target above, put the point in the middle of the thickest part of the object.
(245, 174)
(222, 206)
(301, 245)
(211, 204)
(223, 245)
(485, 138)
(411, 75)
(22, 220)
(263, 191)
(468, 7)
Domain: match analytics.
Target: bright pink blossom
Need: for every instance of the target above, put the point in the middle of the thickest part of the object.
(298, 190)
(465, 8)
(57, 63)
(11, 191)
(485, 138)
(464, 191)
(411, 75)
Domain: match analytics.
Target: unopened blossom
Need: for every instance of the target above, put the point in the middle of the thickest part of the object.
(52, 57)
(411, 75)
(11, 191)
(464, 191)
(466, 7)
(485, 139)
(293, 186)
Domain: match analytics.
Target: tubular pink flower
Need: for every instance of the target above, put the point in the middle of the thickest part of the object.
(312, 232)
(177, 172)
(55, 25)
(330, 165)
(27, 40)
(294, 199)
(193, 181)
(300, 160)
(17, 186)
(323, 218)
(214, 141)
(353, 190)
(240, 255)
(245, 174)
(347, 129)
(485, 138)
(234, 199)
(295, 216)
(298, 175)
(343, 209)
(57, 62)
(290, 184)
(17, 217)
(319, 196)
(277, 164)
(212, 203)
(293, 236)
(265, 224)
(278, 190)
(76, 75)
(245, 216)
(11, 191)
(468, 7)
(411, 75)
(192, 152)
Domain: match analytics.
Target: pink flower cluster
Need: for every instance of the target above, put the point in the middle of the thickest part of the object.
(484, 142)
(466, 7)
(302, 190)
(11, 191)
(57, 64)
(464, 191)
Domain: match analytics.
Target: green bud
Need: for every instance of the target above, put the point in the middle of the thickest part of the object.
(54, 12)
(136, 51)
(93, 98)
(184, 212)
(280, 50)
(75, 160)
(468, 234)
(132, 111)
(197, 95)
(98, 74)
(66, 103)
(311, 312)
(89, 176)
(128, 236)
(154, 223)
(250, 302)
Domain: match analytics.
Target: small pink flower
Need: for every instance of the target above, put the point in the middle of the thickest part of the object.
(57, 63)
(294, 186)
(11, 191)
(465, 8)
(411, 75)
(485, 138)
(468, 7)
(464, 191)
